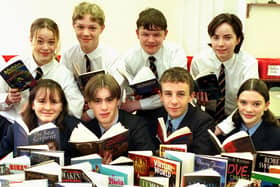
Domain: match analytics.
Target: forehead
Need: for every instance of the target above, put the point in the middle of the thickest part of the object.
(86, 19)
(44, 33)
(102, 93)
(175, 86)
(251, 95)
(224, 29)
(47, 93)
(154, 29)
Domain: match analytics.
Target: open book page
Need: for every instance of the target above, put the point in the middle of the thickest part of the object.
(215, 140)
(114, 130)
(143, 75)
(82, 134)
(182, 135)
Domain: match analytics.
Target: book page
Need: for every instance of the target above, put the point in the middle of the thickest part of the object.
(235, 136)
(143, 74)
(179, 132)
(82, 134)
(113, 131)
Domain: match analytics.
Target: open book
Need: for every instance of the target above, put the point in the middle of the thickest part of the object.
(17, 75)
(43, 134)
(207, 81)
(179, 136)
(144, 83)
(114, 140)
(238, 142)
(83, 77)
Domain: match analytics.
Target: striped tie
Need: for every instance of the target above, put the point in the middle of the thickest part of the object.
(169, 128)
(220, 107)
(39, 73)
(153, 67)
(88, 64)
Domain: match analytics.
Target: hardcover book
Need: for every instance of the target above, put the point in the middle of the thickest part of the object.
(15, 165)
(179, 136)
(39, 156)
(114, 140)
(238, 142)
(264, 159)
(144, 83)
(171, 147)
(76, 173)
(263, 179)
(94, 159)
(17, 75)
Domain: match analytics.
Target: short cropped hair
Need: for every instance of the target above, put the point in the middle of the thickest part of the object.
(102, 81)
(151, 19)
(233, 21)
(97, 14)
(176, 75)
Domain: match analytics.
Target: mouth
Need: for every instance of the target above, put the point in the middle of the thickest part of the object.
(104, 115)
(248, 116)
(45, 54)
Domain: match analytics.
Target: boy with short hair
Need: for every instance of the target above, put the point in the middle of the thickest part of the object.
(176, 94)
(103, 94)
(151, 32)
(88, 22)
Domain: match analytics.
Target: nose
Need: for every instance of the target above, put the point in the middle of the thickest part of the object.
(220, 42)
(86, 31)
(248, 108)
(47, 105)
(151, 38)
(104, 105)
(174, 99)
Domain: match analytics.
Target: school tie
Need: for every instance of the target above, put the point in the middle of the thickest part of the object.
(88, 64)
(153, 67)
(39, 73)
(220, 107)
(169, 128)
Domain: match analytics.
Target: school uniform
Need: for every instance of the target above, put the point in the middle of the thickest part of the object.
(139, 137)
(169, 55)
(198, 122)
(10, 142)
(265, 138)
(103, 57)
(53, 70)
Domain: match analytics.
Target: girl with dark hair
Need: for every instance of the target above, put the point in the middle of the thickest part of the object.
(253, 115)
(46, 103)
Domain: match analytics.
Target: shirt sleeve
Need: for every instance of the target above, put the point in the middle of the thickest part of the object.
(151, 102)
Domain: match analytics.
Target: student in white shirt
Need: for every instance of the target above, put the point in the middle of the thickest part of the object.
(225, 32)
(88, 22)
(151, 32)
(44, 36)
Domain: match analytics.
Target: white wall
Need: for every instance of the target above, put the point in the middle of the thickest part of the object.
(187, 23)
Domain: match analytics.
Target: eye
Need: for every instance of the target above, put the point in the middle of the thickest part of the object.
(80, 27)
(109, 99)
(39, 41)
(257, 104)
(96, 100)
(92, 28)
(52, 42)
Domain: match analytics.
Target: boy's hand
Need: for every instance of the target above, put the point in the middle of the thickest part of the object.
(202, 98)
(130, 105)
(14, 96)
(107, 157)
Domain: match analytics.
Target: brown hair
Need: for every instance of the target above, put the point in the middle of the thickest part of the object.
(102, 81)
(178, 74)
(29, 116)
(233, 21)
(151, 19)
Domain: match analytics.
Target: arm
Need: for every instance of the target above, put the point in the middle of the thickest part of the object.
(226, 126)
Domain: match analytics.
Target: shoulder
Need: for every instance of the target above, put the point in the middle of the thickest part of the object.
(73, 50)
(196, 116)
(246, 59)
(130, 120)
(205, 54)
(70, 122)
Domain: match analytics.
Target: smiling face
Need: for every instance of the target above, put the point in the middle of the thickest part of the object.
(47, 105)
(105, 107)
(175, 97)
(88, 32)
(251, 107)
(44, 46)
(224, 41)
(151, 40)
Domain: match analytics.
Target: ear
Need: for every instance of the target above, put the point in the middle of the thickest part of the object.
(266, 106)
(102, 28)
(137, 33)
(192, 95)
(165, 33)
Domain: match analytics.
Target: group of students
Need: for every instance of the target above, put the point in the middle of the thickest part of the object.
(57, 98)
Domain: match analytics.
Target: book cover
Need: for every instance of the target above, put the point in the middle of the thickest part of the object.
(208, 177)
(43, 134)
(154, 182)
(171, 147)
(118, 175)
(218, 164)
(263, 179)
(122, 160)
(166, 168)
(15, 165)
(17, 75)
(179, 136)
(144, 83)
(7, 180)
(274, 169)
(76, 173)
(115, 141)
(186, 160)
(240, 165)
(141, 163)
(264, 159)
(83, 77)
(27, 149)
(208, 83)
(94, 159)
(238, 142)
(39, 156)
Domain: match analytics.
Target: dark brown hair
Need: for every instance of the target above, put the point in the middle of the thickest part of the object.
(29, 116)
(151, 19)
(230, 19)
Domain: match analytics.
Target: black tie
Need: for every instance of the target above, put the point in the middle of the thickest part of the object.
(220, 107)
(88, 64)
(153, 67)
(169, 128)
(39, 73)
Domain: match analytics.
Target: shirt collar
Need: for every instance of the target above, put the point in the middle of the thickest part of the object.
(175, 122)
(145, 55)
(252, 130)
